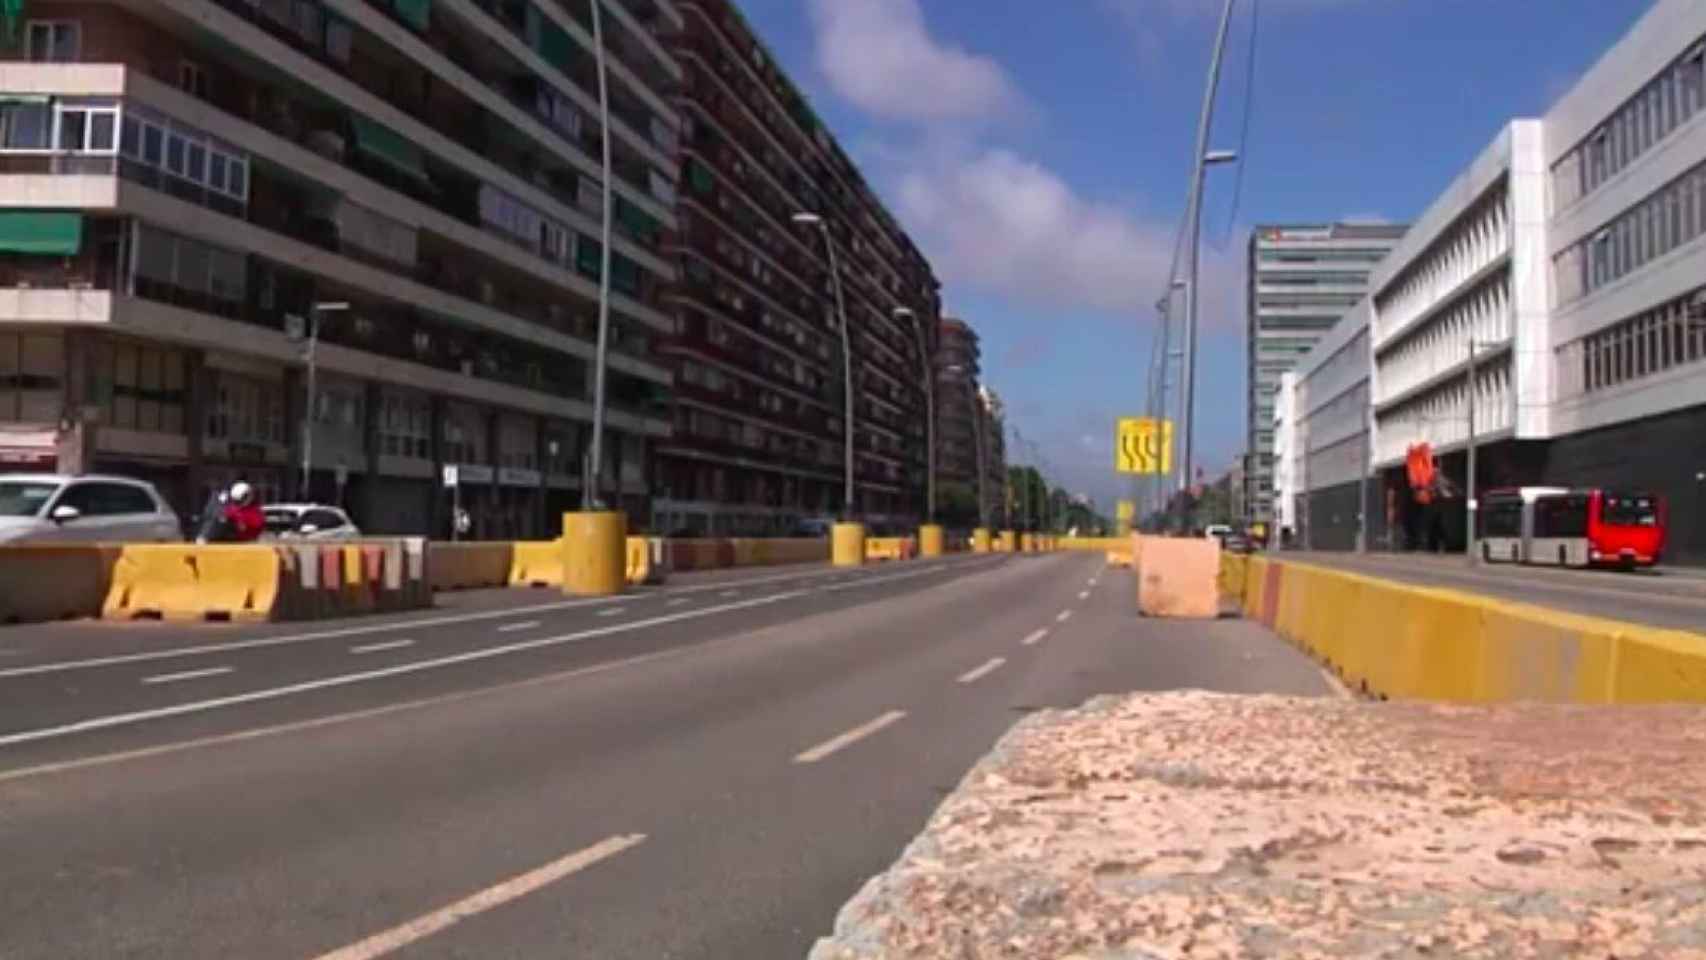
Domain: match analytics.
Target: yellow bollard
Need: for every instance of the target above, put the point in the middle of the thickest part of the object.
(980, 540)
(1027, 543)
(930, 540)
(595, 557)
(1009, 542)
(847, 544)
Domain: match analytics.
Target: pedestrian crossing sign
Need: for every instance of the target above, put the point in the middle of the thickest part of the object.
(1144, 445)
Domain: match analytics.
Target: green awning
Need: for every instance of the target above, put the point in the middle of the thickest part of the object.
(624, 275)
(700, 177)
(415, 13)
(41, 232)
(11, 12)
(636, 220)
(589, 256)
(555, 45)
(389, 147)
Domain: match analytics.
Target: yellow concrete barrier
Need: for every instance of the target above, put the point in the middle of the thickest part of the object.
(54, 582)
(1405, 641)
(847, 544)
(890, 548)
(931, 540)
(195, 582)
(467, 566)
(980, 540)
(638, 553)
(536, 563)
(595, 556)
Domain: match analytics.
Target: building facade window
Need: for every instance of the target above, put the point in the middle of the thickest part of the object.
(1660, 223)
(53, 41)
(138, 386)
(246, 410)
(405, 425)
(32, 372)
(1653, 342)
(188, 272)
(1668, 101)
(158, 145)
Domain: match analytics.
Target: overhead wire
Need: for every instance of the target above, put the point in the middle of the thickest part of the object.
(1244, 124)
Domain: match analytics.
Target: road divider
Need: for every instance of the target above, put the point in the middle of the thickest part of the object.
(466, 566)
(1399, 640)
(890, 548)
(195, 582)
(54, 582)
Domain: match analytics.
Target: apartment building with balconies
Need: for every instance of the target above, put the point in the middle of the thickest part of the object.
(189, 184)
(758, 441)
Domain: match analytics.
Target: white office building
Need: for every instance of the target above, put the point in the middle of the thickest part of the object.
(1568, 256)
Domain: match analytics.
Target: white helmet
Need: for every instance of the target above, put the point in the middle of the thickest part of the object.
(241, 492)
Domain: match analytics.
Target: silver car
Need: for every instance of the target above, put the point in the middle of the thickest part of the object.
(308, 521)
(53, 508)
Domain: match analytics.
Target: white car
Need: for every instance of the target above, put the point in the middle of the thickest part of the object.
(308, 521)
(53, 508)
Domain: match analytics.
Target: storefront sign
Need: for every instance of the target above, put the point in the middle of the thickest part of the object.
(518, 477)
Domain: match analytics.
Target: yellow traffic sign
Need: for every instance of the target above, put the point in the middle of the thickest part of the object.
(1144, 445)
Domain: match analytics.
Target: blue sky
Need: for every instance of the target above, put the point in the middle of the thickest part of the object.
(1040, 160)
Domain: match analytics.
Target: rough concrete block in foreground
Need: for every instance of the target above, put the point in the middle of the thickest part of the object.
(1198, 825)
(1179, 578)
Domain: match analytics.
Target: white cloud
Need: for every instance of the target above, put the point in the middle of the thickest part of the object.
(879, 55)
(991, 220)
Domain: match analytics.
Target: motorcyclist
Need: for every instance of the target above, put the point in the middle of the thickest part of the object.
(243, 518)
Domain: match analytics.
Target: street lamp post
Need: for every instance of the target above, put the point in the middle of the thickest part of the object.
(1471, 508)
(809, 220)
(904, 314)
(1200, 160)
(314, 313)
(590, 493)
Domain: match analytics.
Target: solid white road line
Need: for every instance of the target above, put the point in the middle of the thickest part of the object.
(613, 612)
(1034, 637)
(1063, 616)
(187, 675)
(514, 888)
(973, 676)
(347, 679)
(729, 593)
(417, 623)
(336, 719)
(387, 645)
(514, 627)
(1083, 594)
(849, 738)
(678, 601)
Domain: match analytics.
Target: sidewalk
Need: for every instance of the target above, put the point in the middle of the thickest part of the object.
(1204, 825)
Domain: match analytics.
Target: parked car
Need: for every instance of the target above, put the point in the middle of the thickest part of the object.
(54, 508)
(308, 521)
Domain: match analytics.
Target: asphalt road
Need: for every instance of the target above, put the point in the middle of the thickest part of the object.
(1674, 598)
(706, 770)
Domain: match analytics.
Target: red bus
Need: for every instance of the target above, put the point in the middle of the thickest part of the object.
(1572, 528)
(1586, 528)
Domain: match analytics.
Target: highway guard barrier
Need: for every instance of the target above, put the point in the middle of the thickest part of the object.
(890, 548)
(1400, 640)
(465, 566)
(54, 582)
(195, 582)
(1177, 578)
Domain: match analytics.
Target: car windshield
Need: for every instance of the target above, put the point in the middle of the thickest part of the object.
(1630, 511)
(23, 498)
(281, 521)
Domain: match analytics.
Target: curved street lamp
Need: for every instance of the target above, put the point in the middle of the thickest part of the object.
(806, 219)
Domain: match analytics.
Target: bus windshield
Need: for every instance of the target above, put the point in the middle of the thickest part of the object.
(1630, 510)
